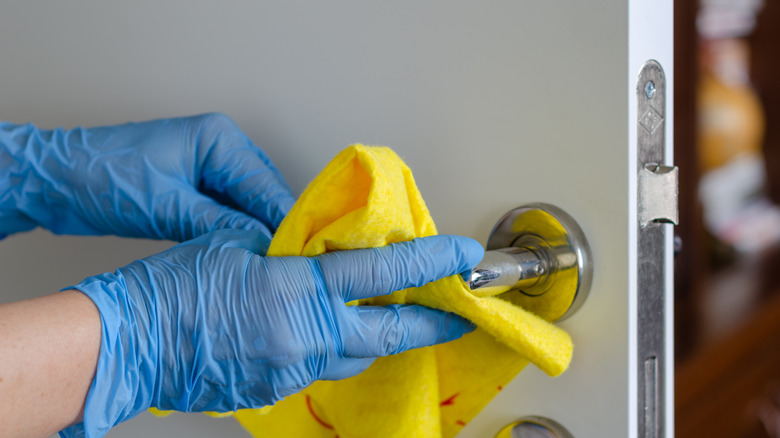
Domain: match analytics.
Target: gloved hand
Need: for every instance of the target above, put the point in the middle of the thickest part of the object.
(165, 179)
(211, 325)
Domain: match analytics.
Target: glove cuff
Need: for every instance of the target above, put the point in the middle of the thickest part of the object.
(125, 375)
(13, 182)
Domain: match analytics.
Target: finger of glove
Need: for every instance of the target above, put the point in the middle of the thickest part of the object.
(366, 273)
(346, 367)
(241, 172)
(382, 331)
(194, 215)
(256, 241)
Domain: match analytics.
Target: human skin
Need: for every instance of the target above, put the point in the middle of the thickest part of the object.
(48, 353)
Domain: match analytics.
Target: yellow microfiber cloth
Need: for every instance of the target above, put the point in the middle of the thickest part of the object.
(366, 197)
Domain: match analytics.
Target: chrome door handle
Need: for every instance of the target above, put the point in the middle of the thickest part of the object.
(539, 250)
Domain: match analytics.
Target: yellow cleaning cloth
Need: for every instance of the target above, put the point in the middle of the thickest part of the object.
(366, 197)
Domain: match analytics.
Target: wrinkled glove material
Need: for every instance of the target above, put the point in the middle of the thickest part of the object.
(170, 179)
(367, 197)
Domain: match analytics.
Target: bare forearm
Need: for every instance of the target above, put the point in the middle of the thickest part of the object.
(48, 353)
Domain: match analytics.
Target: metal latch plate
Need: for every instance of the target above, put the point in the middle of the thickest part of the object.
(657, 204)
(658, 194)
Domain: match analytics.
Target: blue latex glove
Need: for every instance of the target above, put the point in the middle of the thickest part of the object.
(211, 325)
(165, 179)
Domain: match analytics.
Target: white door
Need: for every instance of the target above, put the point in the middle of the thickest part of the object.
(492, 104)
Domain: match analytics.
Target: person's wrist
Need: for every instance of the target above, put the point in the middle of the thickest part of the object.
(124, 382)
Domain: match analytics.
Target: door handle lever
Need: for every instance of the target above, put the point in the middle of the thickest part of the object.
(540, 251)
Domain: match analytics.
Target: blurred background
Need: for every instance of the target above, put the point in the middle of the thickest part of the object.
(727, 138)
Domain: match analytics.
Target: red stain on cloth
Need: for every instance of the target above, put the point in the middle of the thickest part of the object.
(318, 419)
(449, 401)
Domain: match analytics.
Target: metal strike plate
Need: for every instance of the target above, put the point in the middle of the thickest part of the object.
(656, 204)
